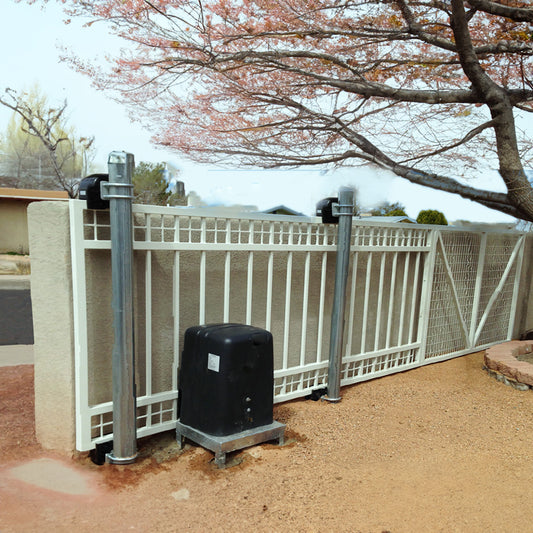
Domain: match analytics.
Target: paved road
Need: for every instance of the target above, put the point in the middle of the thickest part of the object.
(16, 326)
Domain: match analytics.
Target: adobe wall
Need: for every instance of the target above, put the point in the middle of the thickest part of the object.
(51, 294)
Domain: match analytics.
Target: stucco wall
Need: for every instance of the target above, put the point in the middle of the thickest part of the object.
(13, 226)
(51, 294)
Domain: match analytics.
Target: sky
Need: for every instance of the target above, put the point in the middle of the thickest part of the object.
(31, 40)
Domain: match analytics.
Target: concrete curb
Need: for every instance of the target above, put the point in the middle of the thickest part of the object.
(16, 354)
(15, 282)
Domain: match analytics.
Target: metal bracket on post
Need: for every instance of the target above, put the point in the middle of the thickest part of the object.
(344, 210)
(119, 192)
(113, 191)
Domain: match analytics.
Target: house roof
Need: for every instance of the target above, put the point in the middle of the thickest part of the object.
(32, 194)
(386, 219)
(282, 210)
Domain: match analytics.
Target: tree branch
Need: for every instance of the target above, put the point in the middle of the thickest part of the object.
(518, 14)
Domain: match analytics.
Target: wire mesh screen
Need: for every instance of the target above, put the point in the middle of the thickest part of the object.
(497, 288)
(452, 294)
(474, 291)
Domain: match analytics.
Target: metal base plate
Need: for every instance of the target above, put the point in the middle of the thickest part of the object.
(222, 445)
(112, 460)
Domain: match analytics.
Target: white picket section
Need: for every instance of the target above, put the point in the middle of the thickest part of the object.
(416, 294)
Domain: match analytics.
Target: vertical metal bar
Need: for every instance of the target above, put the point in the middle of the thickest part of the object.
(270, 275)
(227, 273)
(391, 299)
(79, 290)
(425, 295)
(203, 267)
(176, 316)
(120, 196)
(323, 274)
(148, 322)
(404, 296)
(249, 287)
(287, 319)
(346, 205)
(288, 289)
(477, 290)
(201, 311)
(366, 301)
(380, 302)
(305, 304)
(414, 286)
(351, 314)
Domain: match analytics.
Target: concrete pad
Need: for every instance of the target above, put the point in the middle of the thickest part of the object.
(17, 354)
(53, 475)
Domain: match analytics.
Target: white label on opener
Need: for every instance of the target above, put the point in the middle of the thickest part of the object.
(213, 362)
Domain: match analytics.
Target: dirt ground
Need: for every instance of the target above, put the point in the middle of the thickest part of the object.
(442, 448)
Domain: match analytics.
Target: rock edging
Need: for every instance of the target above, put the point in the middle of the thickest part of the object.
(503, 363)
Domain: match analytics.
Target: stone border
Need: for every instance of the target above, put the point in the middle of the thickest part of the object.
(503, 362)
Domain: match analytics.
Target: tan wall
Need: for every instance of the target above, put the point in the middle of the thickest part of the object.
(13, 226)
(51, 294)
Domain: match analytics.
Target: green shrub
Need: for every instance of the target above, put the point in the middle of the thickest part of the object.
(396, 213)
(431, 216)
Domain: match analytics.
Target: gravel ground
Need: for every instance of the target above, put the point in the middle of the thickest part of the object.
(441, 448)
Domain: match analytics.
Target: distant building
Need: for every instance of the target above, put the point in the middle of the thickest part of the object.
(13, 218)
(471, 225)
(387, 220)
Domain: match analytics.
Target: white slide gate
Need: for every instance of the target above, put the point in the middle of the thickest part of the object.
(416, 294)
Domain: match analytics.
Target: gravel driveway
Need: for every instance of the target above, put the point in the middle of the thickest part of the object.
(440, 448)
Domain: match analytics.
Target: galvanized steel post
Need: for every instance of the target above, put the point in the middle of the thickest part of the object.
(344, 236)
(119, 192)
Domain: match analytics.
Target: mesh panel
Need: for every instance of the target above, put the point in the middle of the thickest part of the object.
(499, 250)
(455, 262)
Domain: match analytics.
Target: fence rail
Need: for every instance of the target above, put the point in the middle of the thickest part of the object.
(417, 294)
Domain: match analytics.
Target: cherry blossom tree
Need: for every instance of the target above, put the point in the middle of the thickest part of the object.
(435, 91)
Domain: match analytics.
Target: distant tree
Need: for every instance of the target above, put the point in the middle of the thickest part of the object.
(150, 186)
(40, 149)
(431, 216)
(391, 210)
(396, 213)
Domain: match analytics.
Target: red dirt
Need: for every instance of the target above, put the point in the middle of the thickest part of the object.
(440, 448)
(17, 423)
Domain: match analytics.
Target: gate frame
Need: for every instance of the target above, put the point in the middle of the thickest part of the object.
(371, 237)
